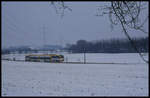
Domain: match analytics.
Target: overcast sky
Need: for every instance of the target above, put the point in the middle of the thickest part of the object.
(23, 22)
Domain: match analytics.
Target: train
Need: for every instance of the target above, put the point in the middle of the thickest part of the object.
(44, 58)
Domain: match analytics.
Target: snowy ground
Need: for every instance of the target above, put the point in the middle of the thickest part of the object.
(92, 57)
(51, 79)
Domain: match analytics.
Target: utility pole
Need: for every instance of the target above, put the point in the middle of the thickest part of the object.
(44, 39)
(43, 35)
(84, 56)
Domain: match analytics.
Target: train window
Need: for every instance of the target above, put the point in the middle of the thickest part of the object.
(55, 56)
(34, 57)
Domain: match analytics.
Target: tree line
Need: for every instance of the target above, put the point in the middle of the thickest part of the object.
(109, 46)
(21, 49)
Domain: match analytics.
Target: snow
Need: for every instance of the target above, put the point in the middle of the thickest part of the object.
(60, 79)
(107, 58)
(92, 57)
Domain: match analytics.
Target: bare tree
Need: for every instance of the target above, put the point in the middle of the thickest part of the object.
(126, 13)
(60, 7)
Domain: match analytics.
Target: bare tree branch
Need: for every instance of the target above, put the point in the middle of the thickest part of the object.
(125, 31)
(127, 13)
(60, 7)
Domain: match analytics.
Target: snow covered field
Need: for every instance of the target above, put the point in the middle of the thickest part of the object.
(57, 79)
(92, 57)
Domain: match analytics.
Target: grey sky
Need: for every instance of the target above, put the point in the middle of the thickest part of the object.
(22, 24)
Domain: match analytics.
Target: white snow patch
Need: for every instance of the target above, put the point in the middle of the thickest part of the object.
(51, 79)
